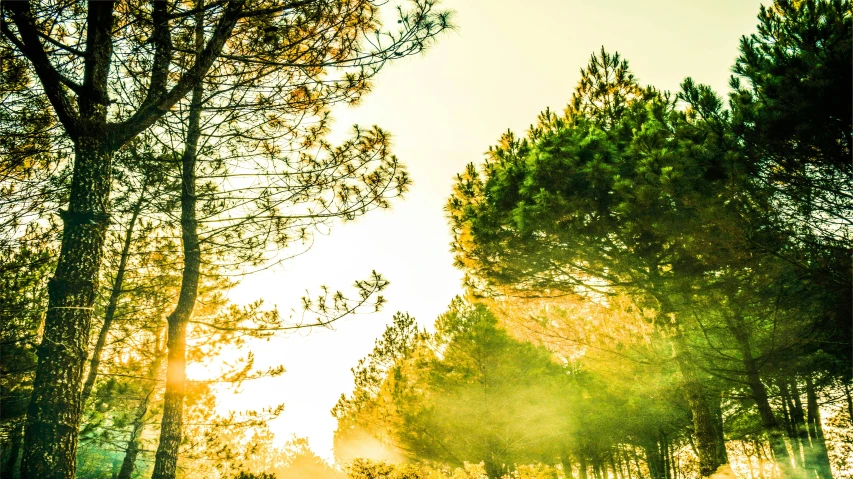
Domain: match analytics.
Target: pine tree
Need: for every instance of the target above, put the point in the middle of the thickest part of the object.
(100, 111)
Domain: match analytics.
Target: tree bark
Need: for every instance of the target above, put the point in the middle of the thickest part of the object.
(625, 458)
(53, 416)
(759, 394)
(166, 458)
(768, 421)
(799, 429)
(112, 304)
(704, 422)
(819, 454)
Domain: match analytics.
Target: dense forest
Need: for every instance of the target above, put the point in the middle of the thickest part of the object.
(657, 284)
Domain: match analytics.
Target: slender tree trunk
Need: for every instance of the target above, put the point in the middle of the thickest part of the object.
(655, 461)
(801, 429)
(849, 398)
(130, 455)
(616, 472)
(53, 415)
(14, 451)
(625, 458)
(666, 451)
(112, 304)
(566, 461)
(762, 403)
(768, 419)
(790, 425)
(759, 457)
(708, 447)
(749, 461)
(583, 473)
(704, 422)
(673, 468)
(636, 462)
(715, 403)
(821, 458)
(166, 458)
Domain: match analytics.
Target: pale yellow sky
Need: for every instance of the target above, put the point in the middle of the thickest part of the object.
(506, 62)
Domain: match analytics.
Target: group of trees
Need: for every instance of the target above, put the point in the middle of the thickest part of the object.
(688, 261)
(178, 142)
(659, 284)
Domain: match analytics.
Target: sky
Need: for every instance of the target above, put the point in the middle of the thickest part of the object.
(503, 64)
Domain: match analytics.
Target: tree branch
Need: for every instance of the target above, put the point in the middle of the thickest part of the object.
(162, 38)
(30, 45)
(99, 49)
(148, 114)
(61, 45)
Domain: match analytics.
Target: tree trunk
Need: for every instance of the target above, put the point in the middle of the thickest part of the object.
(668, 464)
(768, 419)
(655, 461)
(53, 416)
(596, 471)
(821, 458)
(566, 461)
(616, 471)
(636, 462)
(704, 422)
(583, 473)
(790, 426)
(625, 459)
(113, 301)
(759, 395)
(715, 403)
(798, 416)
(705, 428)
(759, 457)
(14, 452)
(129, 462)
(166, 458)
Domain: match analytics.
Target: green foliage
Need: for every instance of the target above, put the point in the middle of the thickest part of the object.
(792, 93)
(467, 393)
(730, 228)
(249, 475)
(367, 469)
(583, 204)
(790, 109)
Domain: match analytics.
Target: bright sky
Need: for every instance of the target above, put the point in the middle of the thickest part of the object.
(506, 62)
